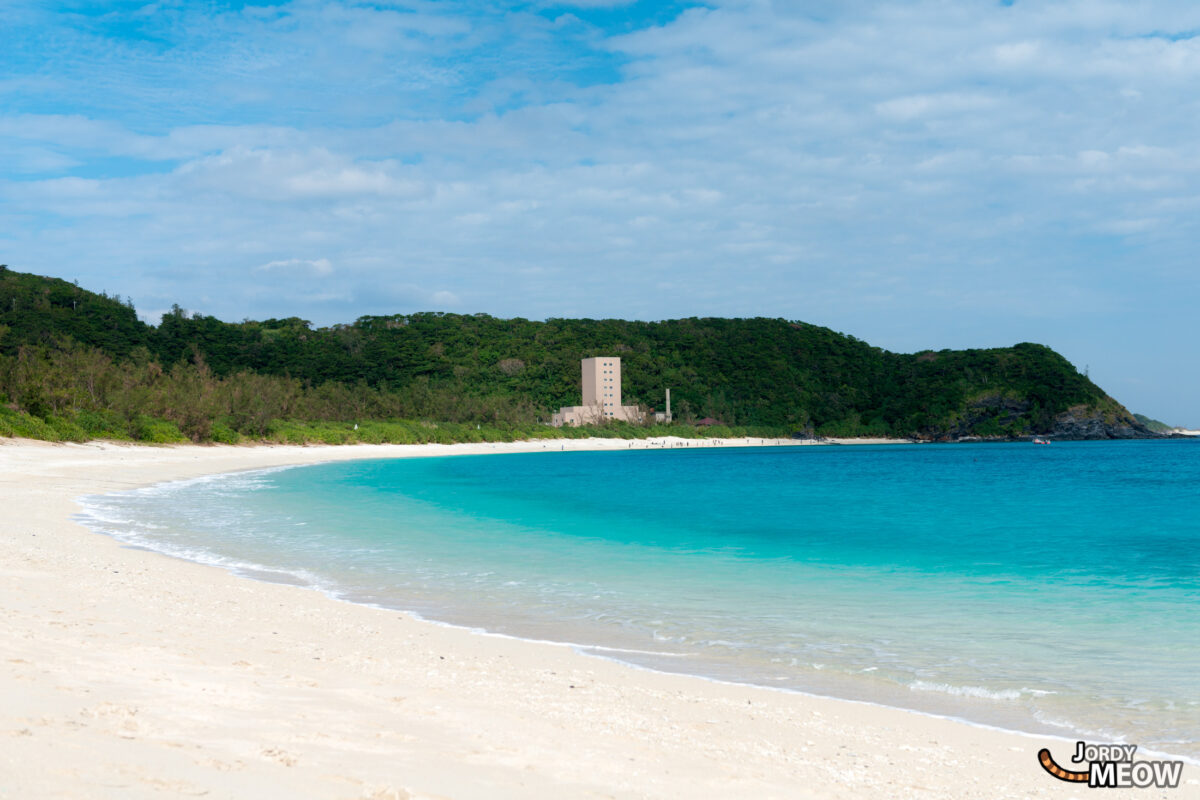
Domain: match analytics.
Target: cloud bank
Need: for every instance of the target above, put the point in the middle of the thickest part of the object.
(923, 174)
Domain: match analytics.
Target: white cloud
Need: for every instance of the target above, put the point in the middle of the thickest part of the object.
(755, 157)
(318, 266)
(1126, 227)
(282, 175)
(912, 106)
(1017, 54)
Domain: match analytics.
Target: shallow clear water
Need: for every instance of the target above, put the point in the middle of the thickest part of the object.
(1053, 589)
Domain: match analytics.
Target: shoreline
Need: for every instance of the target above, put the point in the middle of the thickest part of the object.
(108, 657)
(617, 654)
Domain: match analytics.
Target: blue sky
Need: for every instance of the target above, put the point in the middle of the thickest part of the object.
(921, 174)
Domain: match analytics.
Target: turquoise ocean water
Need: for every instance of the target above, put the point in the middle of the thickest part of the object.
(1049, 589)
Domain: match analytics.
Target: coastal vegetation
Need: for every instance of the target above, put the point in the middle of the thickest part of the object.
(1153, 424)
(76, 365)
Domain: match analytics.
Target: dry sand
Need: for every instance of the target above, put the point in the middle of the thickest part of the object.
(127, 674)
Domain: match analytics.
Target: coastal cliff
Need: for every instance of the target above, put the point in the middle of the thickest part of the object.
(1114, 422)
(1104, 419)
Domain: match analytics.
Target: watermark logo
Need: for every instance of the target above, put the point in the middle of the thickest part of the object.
(1111, 766)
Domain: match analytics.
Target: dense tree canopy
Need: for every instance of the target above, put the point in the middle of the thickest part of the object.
(770, 373)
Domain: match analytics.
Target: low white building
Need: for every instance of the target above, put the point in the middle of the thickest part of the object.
(601, 396)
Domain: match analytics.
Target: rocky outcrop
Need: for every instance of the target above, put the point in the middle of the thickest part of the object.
(983, 418)
(1009, 418)
(1085, 422)
(1003, 409)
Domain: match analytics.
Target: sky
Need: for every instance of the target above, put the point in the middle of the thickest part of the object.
(923, 174)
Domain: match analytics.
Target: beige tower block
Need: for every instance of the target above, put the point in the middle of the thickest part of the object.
(601, 384)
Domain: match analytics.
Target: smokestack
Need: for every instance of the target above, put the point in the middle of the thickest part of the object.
(668, 405)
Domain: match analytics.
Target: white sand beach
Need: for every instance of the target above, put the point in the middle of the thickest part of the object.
(128, 674)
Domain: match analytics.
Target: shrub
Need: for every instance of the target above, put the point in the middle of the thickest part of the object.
(65, 430)
(18, 423)
(102, 424)
(156, 431)
(223, 434)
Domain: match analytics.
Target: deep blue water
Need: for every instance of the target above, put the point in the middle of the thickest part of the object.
(1040, 588)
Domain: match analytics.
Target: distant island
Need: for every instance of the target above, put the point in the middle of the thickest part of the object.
(76, 365)
(1153, 424)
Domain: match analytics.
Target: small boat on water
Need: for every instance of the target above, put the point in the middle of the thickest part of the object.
(1040, 440)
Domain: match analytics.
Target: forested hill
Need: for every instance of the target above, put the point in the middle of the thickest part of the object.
(767, 373)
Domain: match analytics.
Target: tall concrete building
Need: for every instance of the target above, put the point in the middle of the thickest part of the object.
(601, 396)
